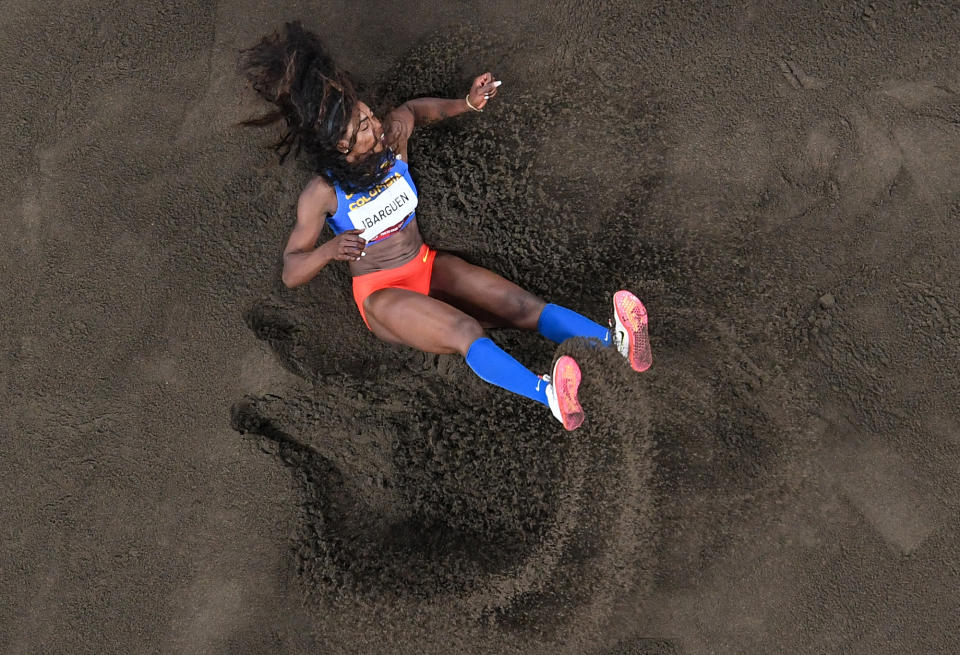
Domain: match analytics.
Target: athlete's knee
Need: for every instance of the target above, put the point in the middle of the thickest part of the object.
(465, 330)
(523, 309)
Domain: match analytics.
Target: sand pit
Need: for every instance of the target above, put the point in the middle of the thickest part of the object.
(198, 459)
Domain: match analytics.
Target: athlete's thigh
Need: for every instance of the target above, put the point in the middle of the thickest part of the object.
(483, 294)
(425, 323)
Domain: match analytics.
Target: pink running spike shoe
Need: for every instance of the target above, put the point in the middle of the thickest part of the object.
(562, 389)
(630, 332)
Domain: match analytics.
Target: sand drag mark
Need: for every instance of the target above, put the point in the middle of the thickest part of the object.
(481, 508)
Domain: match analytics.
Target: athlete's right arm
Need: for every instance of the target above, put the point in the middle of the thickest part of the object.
(302, 257)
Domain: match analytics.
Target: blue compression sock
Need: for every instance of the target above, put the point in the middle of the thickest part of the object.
(559, 324)
(496, 366)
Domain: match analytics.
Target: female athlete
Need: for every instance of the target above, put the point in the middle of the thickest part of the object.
(408, 293)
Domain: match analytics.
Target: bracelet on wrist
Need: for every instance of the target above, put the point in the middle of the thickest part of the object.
(467, 99)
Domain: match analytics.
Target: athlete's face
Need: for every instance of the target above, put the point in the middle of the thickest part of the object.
(368, 131)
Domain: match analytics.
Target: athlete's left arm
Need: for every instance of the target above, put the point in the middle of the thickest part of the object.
(422, 111)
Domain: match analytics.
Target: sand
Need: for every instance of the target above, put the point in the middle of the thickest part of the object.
(196, 459)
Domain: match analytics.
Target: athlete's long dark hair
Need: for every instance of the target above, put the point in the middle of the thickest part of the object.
(315, 99)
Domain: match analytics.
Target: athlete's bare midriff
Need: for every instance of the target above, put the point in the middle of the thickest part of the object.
(396, 250)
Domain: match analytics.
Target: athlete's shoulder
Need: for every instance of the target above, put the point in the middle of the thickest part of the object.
(398, 126)
(317, 200)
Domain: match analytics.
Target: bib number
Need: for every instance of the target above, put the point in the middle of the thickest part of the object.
(393, 201)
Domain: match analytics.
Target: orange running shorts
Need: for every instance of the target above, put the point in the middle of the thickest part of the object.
(414, 275)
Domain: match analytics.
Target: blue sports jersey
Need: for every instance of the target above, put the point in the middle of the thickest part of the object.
(380, 211)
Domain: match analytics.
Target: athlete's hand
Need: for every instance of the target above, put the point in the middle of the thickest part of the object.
(482, 89)
(346, 246)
